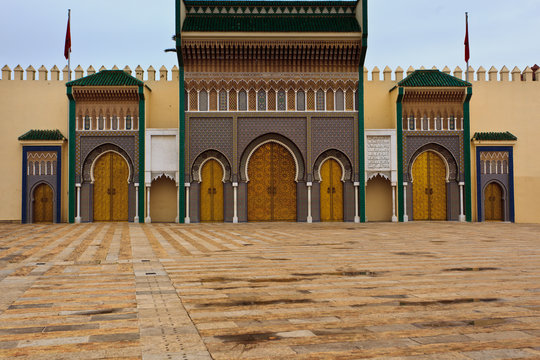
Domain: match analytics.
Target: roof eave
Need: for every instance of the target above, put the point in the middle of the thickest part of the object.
(231, 35)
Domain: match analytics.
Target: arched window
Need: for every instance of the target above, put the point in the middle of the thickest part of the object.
(320, 100)
(186, 99)
(242, 100)
(203, 100)
(301, 100)
(128, 122)
(356, 100)
(87, 122)
(412, 122)
(425, 123)
(261, 100)
(101, 122)
(505, 167)
(340, 100)
(115, 122)
(452, 123)
(222, 100)
(281, 101)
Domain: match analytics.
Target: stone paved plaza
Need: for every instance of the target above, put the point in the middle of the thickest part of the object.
(270, 291)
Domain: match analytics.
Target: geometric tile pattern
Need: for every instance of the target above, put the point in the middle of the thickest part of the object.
(210, 133)
(270, 291)
(332, 133)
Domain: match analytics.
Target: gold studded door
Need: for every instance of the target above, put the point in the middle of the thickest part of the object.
(493, 202)
(102, 192)
(43, 203)
(111, 174)
(271, 187)
(211, 191)
(331, 191)
(119, 188)
(284, 186)
(429, 187)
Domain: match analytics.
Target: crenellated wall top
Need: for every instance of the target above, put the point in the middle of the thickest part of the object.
(163, 74)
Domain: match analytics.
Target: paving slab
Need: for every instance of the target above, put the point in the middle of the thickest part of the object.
(419, 290)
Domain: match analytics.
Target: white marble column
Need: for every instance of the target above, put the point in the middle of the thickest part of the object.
(405, 217)
(147, 219)
(187, 220)
(356, 214)
(136, 218)
(235, 201)
(394, 217)
(461, 212)
(78, 217)
(309, 217)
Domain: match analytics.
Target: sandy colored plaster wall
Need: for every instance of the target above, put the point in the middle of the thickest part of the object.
(379, 107)
(514, 107)
(26, 105)
(162, 104)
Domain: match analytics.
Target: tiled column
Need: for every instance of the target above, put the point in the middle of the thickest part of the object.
(78, 217)
(356, 215)
(461, 214)
(235, 200)
(309, 217)
(405, 217)
(187, 219)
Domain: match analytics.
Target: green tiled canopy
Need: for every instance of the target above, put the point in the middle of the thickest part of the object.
(272, 23)
(432, 78)
(42, 135)
(271, 16)
(494, 136)
(107, 78)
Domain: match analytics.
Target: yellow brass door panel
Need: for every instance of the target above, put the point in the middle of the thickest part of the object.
(437, 182)
(493, 202)
(102, 182)
(259, 187)
(119, 188)
(429, 187)
(331, 191)
(271, 188)
(284, 186)
(211, 192)
(111, 173)
(420, 187)
(43, 203)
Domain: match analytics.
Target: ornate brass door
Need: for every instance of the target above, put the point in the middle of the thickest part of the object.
(111, 174)
(43, 203)
(429, 187)
(331, 191)
(212, 191)
(271, 188)
(493, 202)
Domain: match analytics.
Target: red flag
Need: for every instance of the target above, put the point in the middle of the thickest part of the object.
(467, 55)
(67, 47)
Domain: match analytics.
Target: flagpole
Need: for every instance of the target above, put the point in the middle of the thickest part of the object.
(467, 24)
(69, 52)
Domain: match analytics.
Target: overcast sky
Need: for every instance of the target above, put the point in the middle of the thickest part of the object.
(401, 33)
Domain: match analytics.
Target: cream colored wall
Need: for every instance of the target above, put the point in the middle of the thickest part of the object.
(26, 105)
(162, 106)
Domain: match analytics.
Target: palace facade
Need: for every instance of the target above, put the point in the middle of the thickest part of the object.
(270, 116)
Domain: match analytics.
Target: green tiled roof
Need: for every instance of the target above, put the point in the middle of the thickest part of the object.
(107, 78)
(269, 3)
(272, 23)
(494, 136)
(435, 78)
(42, 135)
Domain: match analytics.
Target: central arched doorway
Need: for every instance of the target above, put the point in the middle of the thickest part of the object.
(331, 191)
(272, 187)
(43, 203)
(429, 187)
(493, 202)
(111, 174)
(211, 191)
